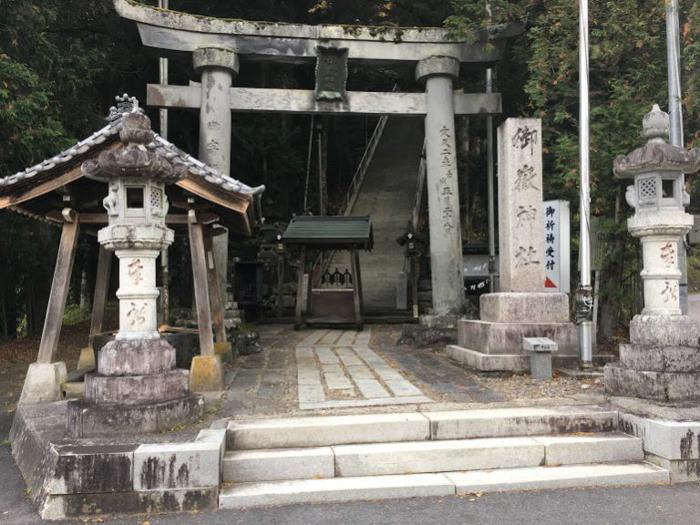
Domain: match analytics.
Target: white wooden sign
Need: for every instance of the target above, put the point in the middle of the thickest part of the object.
(557, 246)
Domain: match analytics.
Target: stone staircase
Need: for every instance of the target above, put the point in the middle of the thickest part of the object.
(387, 195)
(383, 456)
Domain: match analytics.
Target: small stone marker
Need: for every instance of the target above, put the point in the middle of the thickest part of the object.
(521, 225)
(541, 357)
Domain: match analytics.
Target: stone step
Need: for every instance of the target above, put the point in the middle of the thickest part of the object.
(278, 464)
(338, 490)
(415, 426)
(477, 454)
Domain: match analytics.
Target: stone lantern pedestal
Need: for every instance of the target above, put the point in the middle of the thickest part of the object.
(662, 360)
(137, 387)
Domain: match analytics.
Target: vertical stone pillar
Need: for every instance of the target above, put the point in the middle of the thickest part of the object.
(217, 67)
(138, 294)
(442, 183)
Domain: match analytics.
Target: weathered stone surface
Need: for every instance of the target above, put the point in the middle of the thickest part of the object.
(81, 469)
(436, 456)
(659, 386)
(136, 389)
(327, 430)
(601, 448)
(524, 307)
(531, 421)
(545, 478)
(42, 383)
(215, 57)
(214, 435)
(90, 419)
(680, 470)
(520, 218)
(135, 357)
(177, 466)
(206, 373)
(541, 366)
(659, 331)
(76, 505)
(673, 440)
(660, 359)
(507, 338)
(279, 464)
(335, 490)
(488, 362)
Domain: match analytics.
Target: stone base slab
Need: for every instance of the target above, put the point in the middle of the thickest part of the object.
(43, 382)
(524, 307)
(507, 338)
(135, 357)
(660, 359)
(488, 362)
(134, 389)
(90, 419)
(662, 331)
(658, 386)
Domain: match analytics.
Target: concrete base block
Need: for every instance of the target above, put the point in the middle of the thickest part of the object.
(488, 362)
(150, 388)
(680, 470)
(541, 366)
(136, 357)
(660, 331)
(279, 464)
(546, 478)
(532, 307)
(76, 505)
(660, 359)
(87, 358)
(439, 322)
(601, 448)
(507, 338)
(327, 430)
(90, 419)
(177, 466)
(659, 386)
(511, 422)
(224, 349)
(206, 373)
(436, 456)
(335, 490)
(42, 383)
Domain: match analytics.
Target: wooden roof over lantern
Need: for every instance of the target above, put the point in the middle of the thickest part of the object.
(43, 190)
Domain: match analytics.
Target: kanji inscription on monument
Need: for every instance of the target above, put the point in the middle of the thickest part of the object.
(521, 224)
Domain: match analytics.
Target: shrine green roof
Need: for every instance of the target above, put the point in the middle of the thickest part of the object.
(339, 232)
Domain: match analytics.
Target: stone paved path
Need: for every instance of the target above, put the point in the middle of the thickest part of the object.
(338, 369)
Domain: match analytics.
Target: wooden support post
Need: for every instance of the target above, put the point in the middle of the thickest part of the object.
(357, 288)
(201, 290)
(280, 284)
(217, 307)
(300, 290)
(415, 277)
(104, 268)
(59, 288)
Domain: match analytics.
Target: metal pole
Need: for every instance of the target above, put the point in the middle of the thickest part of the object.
(163, 74)
(489, 181)
(675, 111)
(584, 292)
(490, 189)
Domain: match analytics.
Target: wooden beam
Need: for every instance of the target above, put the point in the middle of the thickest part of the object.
(52, 184)
(101, 218)
(201, 290)
(59, 292)
(357, 288)
(304, 101)
(104, 269)
(217, 305)
(237, 203)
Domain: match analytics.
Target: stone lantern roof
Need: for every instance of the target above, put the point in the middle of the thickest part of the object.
(656, 154)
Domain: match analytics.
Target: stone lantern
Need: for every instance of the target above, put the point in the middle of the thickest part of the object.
(137, 386)
(663, 360)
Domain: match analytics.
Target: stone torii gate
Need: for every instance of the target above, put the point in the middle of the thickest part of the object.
(219, 46)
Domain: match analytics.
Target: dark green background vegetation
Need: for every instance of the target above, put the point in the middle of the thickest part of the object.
(63, 61)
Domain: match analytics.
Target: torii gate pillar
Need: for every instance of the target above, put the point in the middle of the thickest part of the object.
(217, 67)
(443, 187)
